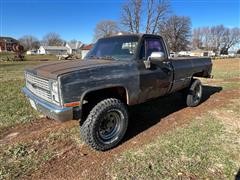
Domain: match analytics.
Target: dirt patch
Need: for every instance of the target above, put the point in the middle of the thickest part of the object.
(230, 117)
(33, 131)
(211, 81)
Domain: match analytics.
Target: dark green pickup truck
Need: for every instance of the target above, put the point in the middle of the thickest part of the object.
(118, 72)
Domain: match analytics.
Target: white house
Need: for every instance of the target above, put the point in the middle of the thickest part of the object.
(199, 52)
(56, 50)
(74, 48)
(31, 52)
(85, 49)
(184, 53)
(232, 53)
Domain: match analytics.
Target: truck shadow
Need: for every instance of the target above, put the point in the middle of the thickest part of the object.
(148, 114)
(237, 177)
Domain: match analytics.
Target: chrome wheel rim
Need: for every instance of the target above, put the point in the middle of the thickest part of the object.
(110, 126)
(197, 93)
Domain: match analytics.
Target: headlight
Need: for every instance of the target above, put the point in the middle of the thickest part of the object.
(55, 87)
(55, 95)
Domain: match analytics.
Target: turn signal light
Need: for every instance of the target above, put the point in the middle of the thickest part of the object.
(72, 104)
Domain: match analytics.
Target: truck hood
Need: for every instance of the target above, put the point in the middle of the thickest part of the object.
(54, 69)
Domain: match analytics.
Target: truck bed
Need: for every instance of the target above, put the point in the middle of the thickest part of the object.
(187, 67)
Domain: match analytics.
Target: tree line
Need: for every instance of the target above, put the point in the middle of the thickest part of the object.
(50, 39)
(155, 17)
(216, 38)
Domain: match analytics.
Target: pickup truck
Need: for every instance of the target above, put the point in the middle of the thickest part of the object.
(118, 72)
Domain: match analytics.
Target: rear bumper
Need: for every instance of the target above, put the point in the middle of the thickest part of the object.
(51, 110)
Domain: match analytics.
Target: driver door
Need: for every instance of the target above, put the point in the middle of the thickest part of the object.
(155, 81)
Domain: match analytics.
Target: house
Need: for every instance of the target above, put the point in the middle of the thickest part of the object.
(56, 50)
(85, 49)
(173, 54)
(199, 52)
(74, 47)
(184, 53)
(232, 53)
(7, 43)
(31, 52)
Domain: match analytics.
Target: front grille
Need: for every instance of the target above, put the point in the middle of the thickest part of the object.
(39, 86)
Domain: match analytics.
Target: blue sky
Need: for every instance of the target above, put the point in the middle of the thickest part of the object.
(76, 19)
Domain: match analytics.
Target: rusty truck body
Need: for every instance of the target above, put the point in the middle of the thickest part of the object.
(118, 72)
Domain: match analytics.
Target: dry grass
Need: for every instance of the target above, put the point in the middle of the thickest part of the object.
(226, 69)
(208, 148)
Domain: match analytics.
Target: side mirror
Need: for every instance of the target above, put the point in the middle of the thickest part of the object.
(154, 56)
(157, 56)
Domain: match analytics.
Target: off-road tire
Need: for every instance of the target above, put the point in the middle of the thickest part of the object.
(90, 127)
(194, 94)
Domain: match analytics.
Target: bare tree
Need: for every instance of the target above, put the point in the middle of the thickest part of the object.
(212, 37)
(230, 38)
(135, 11)
(217, 35)
(216, 38)
(131, 14)
(197, 39)
(52, 39)
(177, 31)
(156, 13)
(105, 28)
(207, 38)
(29, 42)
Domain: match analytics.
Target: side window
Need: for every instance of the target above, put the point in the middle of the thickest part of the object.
(152, 45)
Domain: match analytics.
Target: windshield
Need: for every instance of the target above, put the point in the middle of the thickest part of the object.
(115, 48)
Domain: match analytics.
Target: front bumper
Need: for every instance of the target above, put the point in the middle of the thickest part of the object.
(50, 110)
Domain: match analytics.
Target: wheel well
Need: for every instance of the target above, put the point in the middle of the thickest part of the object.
(203, 73)
(198, 74)
(114, 92)
(92, 98)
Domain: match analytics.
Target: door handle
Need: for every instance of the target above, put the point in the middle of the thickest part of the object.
(167, 65)
(166, 62)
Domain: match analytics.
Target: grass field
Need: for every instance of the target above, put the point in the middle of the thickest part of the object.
(226, 69)
(14, 107)
(205, 148)
(10, 56)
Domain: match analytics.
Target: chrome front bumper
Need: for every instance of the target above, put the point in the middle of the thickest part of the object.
(50, 110)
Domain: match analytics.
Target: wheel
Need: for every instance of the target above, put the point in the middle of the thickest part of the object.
(194, 94)
(105, 125)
